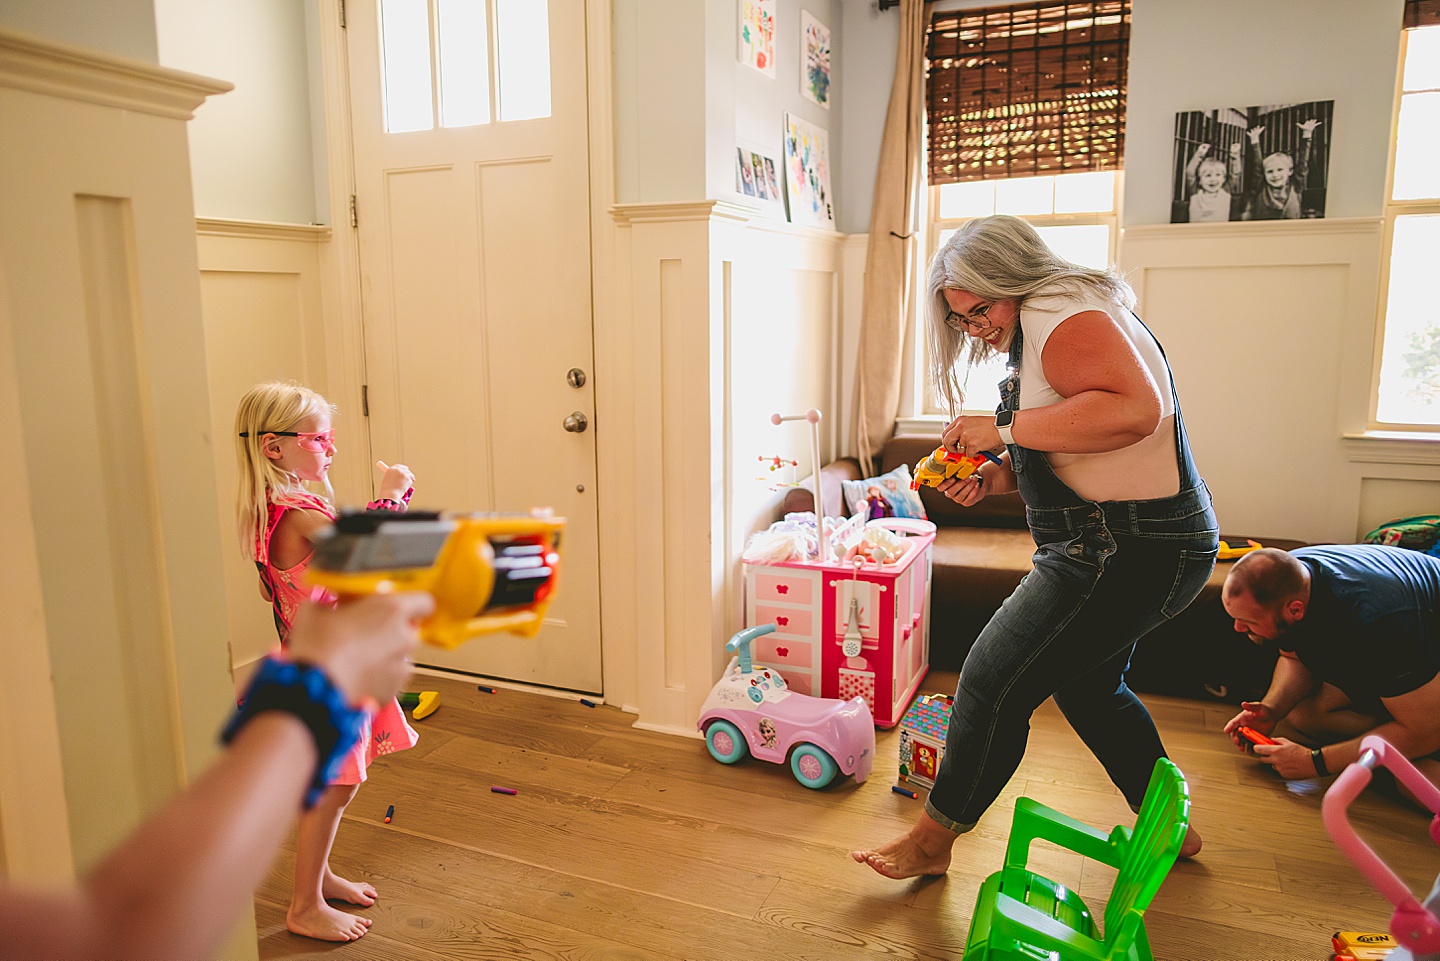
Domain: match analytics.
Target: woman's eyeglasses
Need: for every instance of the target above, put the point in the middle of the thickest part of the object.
(974, 322)
(318, 441)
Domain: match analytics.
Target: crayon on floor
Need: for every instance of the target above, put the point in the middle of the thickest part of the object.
(587, 703)
(496, 789)
(905, 791)
(389, 813)
(487, 690)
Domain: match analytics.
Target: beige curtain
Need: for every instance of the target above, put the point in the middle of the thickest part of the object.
(889, 259)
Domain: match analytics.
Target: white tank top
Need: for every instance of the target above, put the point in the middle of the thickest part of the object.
(1146, 469)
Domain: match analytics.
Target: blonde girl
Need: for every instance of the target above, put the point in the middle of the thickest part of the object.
(285, 443)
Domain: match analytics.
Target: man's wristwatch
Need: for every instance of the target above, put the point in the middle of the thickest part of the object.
(1003, 421)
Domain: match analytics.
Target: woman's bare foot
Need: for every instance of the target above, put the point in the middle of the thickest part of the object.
(1191, 845)
(326, 923)
(921, 851)
(351, 892)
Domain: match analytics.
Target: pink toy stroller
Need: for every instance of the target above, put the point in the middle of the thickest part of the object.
(1415, 926)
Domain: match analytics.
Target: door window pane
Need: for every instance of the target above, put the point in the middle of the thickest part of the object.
(1085, 193)
(464, 64)
(523, 39)
(1085, 244)
(405, 65)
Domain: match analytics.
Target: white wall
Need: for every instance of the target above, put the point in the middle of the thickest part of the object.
(1247, 52)
(871, 38)
(124, 27)
(251, 150)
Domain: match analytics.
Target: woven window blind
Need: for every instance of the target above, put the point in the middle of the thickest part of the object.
(1027, 89)
(1421, 13)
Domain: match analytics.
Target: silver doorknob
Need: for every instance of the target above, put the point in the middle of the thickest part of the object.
(576, 423)
(575, 377)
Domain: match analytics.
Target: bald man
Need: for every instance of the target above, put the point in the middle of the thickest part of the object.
(1358, 628)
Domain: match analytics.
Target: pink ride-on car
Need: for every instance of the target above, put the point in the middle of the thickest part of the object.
(751, 709)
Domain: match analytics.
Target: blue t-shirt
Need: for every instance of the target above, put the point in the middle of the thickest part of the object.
(1372, 627)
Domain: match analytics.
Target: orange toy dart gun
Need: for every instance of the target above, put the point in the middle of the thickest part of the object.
(943, 464)
(487, 572)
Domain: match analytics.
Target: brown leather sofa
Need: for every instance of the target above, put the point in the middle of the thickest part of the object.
(982, 552)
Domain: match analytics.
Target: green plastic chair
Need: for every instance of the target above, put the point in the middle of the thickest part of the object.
(1021, 915)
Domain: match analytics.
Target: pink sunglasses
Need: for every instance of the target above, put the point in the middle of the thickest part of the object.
(318, 441)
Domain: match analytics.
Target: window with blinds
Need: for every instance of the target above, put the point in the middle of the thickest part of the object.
(1027, 89)
(1421, 13)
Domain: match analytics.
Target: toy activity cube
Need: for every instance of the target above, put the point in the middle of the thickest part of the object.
(922, 738)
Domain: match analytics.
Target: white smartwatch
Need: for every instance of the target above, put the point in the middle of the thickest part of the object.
(1004, 420)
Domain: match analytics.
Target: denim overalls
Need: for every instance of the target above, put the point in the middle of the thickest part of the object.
(1105, 574)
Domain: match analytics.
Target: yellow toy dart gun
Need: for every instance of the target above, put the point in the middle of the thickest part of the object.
(487, 572)
(943, 464)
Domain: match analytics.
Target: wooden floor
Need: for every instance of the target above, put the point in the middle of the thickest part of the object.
(626, 844)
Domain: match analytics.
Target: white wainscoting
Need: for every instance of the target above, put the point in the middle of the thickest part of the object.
(264, 309)
(1270, 330)
(115, 673)
(718, 320)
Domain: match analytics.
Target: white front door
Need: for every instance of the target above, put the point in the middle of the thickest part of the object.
(472, 187)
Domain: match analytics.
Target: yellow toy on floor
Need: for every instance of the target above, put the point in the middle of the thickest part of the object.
(487, 572)
(421, 703)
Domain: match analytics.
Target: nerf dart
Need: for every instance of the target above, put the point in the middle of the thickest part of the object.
(421, 703)
(487, 572)
(943, 464)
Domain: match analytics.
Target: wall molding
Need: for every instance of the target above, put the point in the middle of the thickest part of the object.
(1267, 230)
(717, 210)
(76, 73)
(262, 230)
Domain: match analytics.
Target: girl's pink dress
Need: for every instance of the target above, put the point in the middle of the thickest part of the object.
(386, 730)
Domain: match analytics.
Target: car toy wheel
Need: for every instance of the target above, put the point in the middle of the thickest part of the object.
(725, 742)
(812, 767)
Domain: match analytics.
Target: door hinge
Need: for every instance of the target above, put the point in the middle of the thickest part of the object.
(343, 24)
(364, 400)
(354, 215)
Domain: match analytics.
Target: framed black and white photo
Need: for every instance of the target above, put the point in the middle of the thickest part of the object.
(1269, 162)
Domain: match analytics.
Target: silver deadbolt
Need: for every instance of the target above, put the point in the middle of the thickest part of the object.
(575, 377)
(576, 423)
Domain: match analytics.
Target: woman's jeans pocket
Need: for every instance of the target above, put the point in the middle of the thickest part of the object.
(1192, 570)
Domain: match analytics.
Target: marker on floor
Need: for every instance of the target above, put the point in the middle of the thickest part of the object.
(497, 789)
(487, 690)
(389, 813)
(905, 791)
(587, 703)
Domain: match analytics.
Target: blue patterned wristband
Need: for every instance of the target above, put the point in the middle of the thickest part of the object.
(307, 693)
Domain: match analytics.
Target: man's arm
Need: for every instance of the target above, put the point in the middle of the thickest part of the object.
(1291, 683)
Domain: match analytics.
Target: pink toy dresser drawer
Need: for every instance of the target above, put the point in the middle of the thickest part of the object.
(786, 588)
(795, 621)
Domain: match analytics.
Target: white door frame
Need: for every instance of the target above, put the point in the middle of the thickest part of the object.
(341, 277)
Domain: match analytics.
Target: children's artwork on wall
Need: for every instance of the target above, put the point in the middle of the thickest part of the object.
(757, 35)
(807, 173)
(814, 59)
(1270, 162)
(756, 179)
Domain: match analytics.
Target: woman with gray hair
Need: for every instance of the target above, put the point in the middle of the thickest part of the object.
(1125, 534)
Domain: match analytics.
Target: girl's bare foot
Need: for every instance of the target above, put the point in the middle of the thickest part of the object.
(1191, 845)
(921, 851)
(333, 886)
(326, 923)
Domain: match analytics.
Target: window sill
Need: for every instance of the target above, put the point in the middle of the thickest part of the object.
(1392, 447)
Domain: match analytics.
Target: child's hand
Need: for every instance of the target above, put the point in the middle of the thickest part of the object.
(1202, 150)
(1235, 148)
(397, 482)
(1307, 129)
(1254, 134)
(364, 645)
